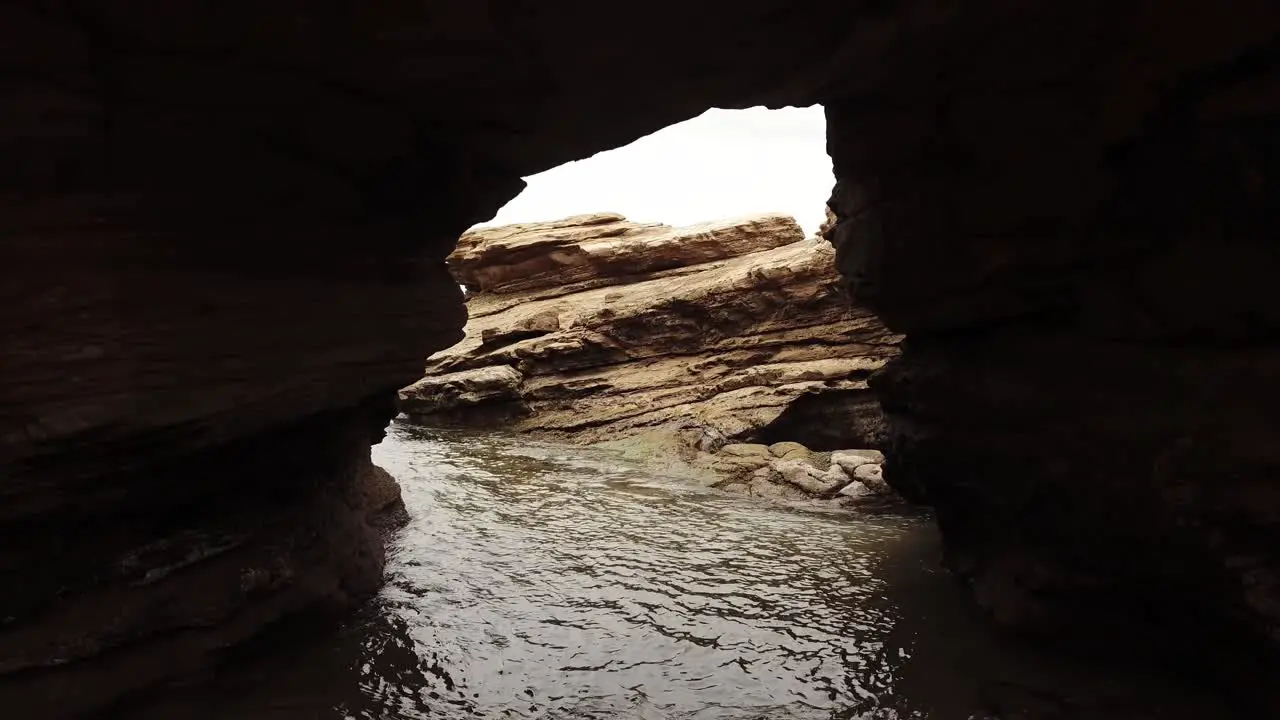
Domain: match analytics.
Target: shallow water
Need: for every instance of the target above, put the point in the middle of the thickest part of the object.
(545, 581)
(576, 585)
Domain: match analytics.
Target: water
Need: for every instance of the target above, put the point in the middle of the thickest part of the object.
(545, 581)
(575, 585)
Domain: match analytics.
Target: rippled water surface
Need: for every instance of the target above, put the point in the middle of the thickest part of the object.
(565, 583)
(545, 581)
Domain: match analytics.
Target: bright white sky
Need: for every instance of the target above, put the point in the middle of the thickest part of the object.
(723, 163)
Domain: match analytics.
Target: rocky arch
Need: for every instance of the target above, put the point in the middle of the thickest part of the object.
(221, 248)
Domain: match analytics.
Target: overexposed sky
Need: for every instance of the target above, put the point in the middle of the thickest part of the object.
(720, 164)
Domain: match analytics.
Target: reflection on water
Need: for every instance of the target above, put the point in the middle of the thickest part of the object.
(562, 583)
(573, 585)
(544, 581)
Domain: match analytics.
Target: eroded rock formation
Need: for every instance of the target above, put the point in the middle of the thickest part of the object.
(1078, 333)
(226, 225)
(594, 328)
(158, 575)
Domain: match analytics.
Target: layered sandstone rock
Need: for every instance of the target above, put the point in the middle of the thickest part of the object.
(488, 392)
(600, 249)
(736, 328)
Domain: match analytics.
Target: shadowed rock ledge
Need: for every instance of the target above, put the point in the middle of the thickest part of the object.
(217, 546)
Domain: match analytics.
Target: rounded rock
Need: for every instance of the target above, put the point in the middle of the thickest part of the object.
(856, 490)
(746, 450)
(808, 478)
(873, 477)
(789, 450)
(851, 459)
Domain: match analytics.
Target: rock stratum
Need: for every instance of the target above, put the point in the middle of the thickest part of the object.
(595, 328)
(222, 239)
(694, 341)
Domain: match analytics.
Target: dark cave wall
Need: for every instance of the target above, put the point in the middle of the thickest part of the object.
(225, 223)
(157, 575)
(1080, 262)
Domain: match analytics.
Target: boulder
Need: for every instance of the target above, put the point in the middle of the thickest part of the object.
(857, 490)
(851, 459)
(810, 479)
(790, 451)
(872, 476)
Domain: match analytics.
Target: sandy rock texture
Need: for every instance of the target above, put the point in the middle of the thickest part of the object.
(600, 328)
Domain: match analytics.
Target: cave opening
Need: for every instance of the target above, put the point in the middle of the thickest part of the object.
(723, 299)
(723, 163)
(222, 250)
